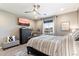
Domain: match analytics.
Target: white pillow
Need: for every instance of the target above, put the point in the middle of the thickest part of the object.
(10, 39)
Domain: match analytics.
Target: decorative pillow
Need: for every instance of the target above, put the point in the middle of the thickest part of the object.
(10, 39)
(75, 34)
(77, 39)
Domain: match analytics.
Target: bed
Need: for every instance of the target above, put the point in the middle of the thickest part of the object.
(52, 45)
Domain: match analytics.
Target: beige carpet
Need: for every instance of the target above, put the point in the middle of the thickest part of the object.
(20, 50)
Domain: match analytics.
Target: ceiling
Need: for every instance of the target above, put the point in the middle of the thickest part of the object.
(46, 9)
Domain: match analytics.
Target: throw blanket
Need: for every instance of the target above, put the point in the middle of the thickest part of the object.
(53, 45)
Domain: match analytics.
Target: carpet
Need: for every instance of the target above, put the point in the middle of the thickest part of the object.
(22, 53)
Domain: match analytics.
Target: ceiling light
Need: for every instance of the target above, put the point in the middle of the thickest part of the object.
(62, 9)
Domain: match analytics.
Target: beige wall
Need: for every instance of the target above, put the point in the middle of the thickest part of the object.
(71, 17)
(39, 24)
(8, 25)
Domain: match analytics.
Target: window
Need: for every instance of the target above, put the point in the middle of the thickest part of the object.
(48, 27)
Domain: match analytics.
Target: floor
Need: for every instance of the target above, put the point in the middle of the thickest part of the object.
(20, 50)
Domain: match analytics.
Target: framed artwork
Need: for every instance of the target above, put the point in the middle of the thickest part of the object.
(65, 25)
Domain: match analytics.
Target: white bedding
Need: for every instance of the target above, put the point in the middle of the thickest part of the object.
(53, 45)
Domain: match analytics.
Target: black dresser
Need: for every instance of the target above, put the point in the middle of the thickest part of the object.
(25, 35)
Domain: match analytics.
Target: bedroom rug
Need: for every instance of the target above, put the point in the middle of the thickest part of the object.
(22, 53)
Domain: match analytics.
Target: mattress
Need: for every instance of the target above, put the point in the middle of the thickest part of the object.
(53, 45)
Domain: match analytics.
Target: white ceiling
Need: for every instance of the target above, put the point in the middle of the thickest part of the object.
(46, 9)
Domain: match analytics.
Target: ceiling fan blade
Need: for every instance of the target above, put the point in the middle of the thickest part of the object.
(37, 12)
(28, 11)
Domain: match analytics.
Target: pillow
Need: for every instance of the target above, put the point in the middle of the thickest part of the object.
(10, 39)
(77, 39)
(75, 34)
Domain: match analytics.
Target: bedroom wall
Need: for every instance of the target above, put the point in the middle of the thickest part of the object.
(39, 25)
(71, 17)
(9, 26)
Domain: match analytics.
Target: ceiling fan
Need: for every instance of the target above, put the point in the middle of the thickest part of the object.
(35, 9)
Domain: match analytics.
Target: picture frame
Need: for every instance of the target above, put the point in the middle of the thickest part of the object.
(65, 25)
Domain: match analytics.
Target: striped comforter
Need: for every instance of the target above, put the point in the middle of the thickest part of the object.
(53, 45)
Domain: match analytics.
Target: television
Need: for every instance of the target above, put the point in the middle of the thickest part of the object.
(24, 21)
